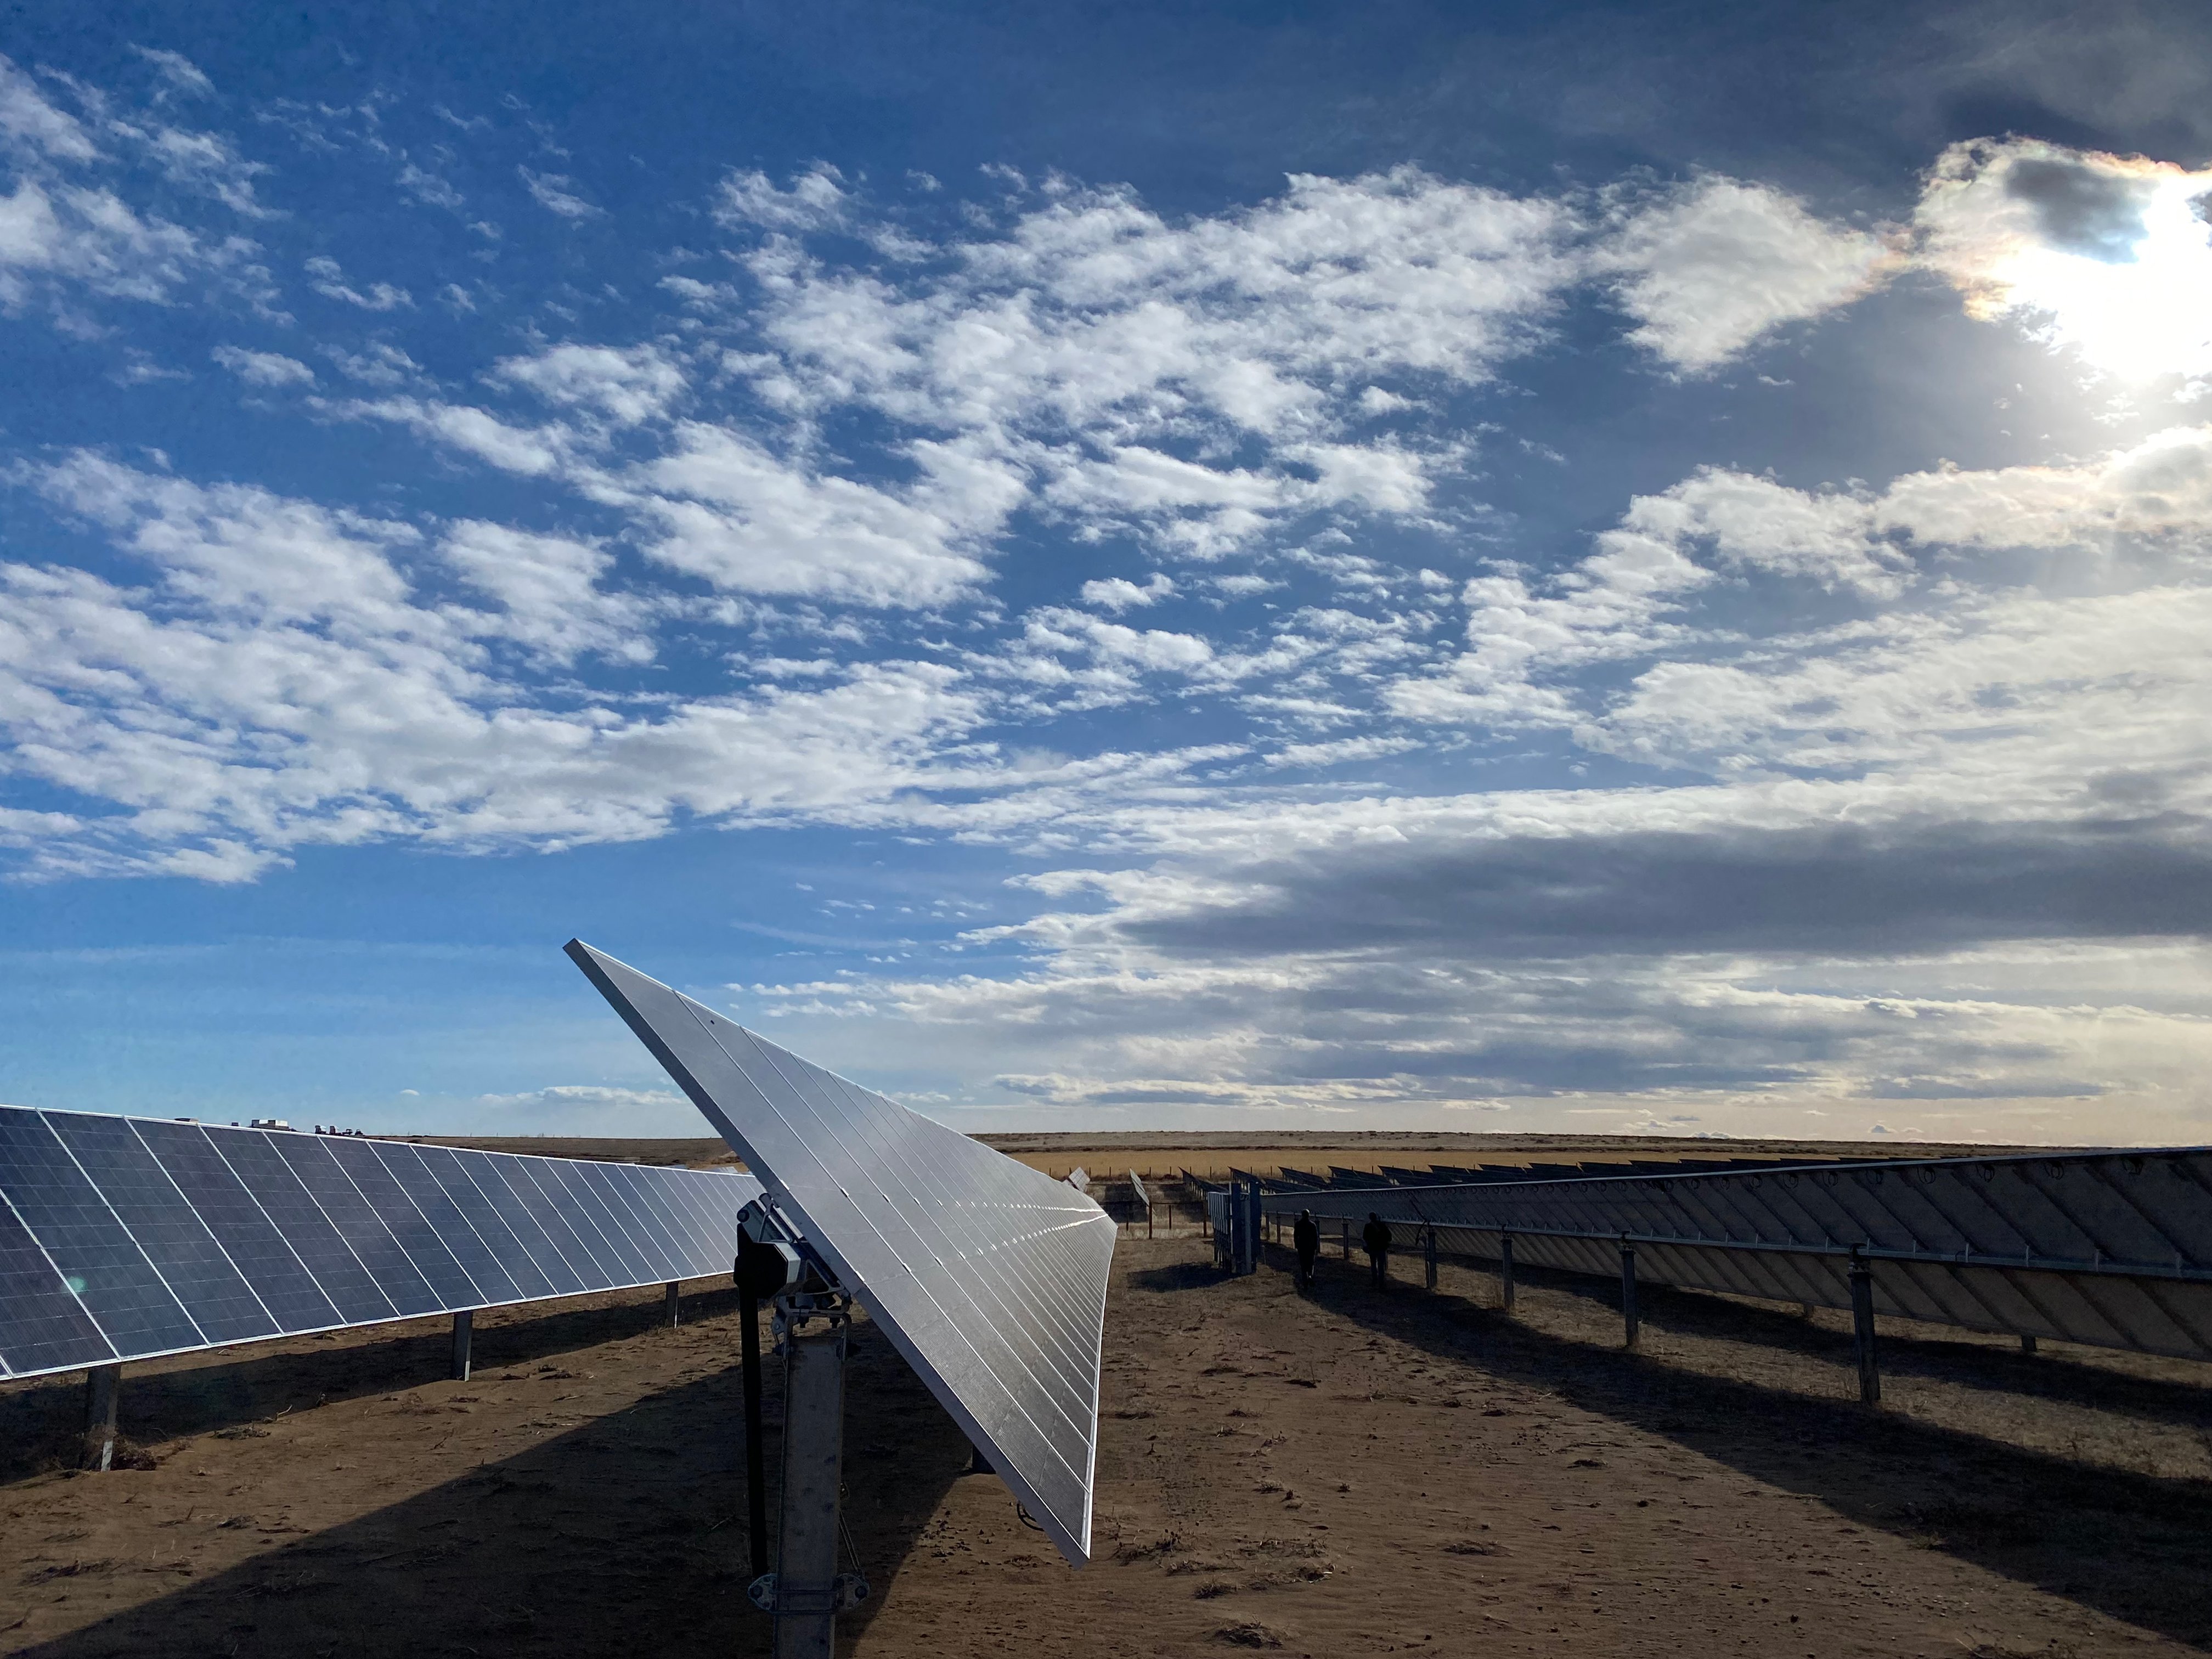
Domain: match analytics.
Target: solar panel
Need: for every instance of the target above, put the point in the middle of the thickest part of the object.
(1137, 1188)
(2113, 1249)
(124, 1238)
(988, 1276)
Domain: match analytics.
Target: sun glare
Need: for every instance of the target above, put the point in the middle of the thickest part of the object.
(2110, 256)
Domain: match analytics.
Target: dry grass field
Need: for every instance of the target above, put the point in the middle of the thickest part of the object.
(1347, 1474)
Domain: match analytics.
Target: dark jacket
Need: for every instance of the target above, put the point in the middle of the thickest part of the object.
(1306, 1237)
(1376, 1235)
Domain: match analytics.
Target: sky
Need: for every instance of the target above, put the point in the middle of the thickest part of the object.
(1592, 569)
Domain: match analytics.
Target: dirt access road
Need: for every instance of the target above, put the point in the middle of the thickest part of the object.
(1351, 1474)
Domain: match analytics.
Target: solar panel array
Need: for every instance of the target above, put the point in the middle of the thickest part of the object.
(124, 1238)
(988, 1276)
(2113, 1249)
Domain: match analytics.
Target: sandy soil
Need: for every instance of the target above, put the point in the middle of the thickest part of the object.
(1347, 1475)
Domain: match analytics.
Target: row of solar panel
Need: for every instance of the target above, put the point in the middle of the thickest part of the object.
(123, 1238)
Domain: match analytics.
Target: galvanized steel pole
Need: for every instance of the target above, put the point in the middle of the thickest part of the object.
(1628, 1292)
(1862, 1331)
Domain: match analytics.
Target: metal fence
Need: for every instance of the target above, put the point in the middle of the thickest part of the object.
(2113, 1250)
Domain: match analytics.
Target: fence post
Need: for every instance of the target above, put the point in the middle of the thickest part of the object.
(1506, 1271)
(1343, 1237)
(1429, 1256)
(1862, 1331)
(1628, 1291)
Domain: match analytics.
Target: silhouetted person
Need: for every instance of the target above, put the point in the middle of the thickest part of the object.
(1376, 1235)
(1306, 1236)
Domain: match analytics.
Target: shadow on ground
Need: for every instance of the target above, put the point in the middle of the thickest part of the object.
(626, 1537)
(41, 1425)
(2131, 1545)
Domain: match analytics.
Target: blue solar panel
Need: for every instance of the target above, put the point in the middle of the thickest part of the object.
(167, 1228)
(47, 1327)
(123, 1238)
(96, 1256)
(251, 1240)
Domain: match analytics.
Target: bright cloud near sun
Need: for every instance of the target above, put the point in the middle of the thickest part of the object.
(2107, 254)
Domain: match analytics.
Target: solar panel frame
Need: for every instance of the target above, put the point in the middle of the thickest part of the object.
(265, 1226)
(989, 1277)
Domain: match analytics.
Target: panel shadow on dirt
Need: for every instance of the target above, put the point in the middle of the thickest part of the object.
(2129, 1544)
(626, 1535)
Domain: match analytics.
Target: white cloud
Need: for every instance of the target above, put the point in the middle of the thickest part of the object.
(2106, 254)
(624, 386)
(429, 189)
(327, 278)
(1710, 268)
(549, 588)
(556, 193)
(815, 201)
(30, 121)
(1117, 594)
(264, 369)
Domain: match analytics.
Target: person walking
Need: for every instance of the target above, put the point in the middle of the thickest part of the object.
(1376, 1235)
(1306, 1237)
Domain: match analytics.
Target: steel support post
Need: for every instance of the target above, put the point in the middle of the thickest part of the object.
(673, 1296)
(103, 1387)
(1506, 1271)
(1429, 1256)
(1343, 1237)
(1628, 1293)
(1862, 1333)
(807, 1591)
(2028, 1345)
(464, 1324)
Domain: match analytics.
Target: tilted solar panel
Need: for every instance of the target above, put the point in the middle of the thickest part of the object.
(988, 1276)
(124, 1238)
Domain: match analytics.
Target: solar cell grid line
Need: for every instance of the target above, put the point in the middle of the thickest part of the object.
(686, 1240)
(687, 1198)
(651, 1257)
(559, 1210)
(97, 1258)
(528, 1281)
(360, 1295)
(490, 1177)
(670, 1231)
(1035, 1323)
(719, 1231)
(943, 1235)
(696, 1198)
(585, 1200)
(251, 1240)
(164, 1225)
(1012, 1335)
(436, 1235)
(378, 1220)
(661, 1226)
(47, 1327)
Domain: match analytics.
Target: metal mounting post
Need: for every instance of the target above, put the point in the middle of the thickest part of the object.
(103, 1387)
(463, 1334)
(806, 1592)
(1506, 1271)
(1343, 1237)
(1862, 1331)
(1628, 1293)
(1428, 1255)
(674, 1296)
(2028, 1345)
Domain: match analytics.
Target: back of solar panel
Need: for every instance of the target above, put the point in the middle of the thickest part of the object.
(124, 1238)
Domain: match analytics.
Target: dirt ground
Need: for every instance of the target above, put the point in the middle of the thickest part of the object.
(1353, 1473)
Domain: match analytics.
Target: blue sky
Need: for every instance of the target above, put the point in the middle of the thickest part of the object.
(1591, 568)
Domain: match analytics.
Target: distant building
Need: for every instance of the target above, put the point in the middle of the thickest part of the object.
(267, 1123)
